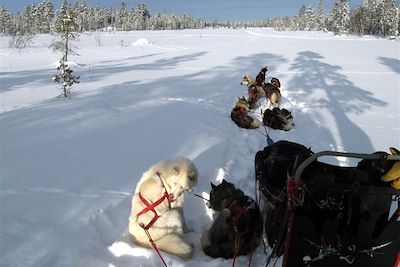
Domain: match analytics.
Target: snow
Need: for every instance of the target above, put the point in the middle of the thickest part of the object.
(141, 42)
(69, 166)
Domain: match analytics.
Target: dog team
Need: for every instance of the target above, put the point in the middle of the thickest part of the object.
(156, 219)
(257, 89)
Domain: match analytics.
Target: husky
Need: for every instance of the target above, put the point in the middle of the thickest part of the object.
(277, 118)
(272, 91)
(240, 117)
(254, 91)
(260, 78)
(157, 206)
(237, 225)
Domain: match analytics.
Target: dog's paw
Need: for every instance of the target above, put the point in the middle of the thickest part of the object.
(205, 239)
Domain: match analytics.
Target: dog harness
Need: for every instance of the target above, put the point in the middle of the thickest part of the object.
(239, 212)
(151, 206)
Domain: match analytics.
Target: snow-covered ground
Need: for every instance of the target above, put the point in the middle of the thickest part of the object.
(69, 166)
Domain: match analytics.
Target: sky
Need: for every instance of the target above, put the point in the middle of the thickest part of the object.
(232, 10)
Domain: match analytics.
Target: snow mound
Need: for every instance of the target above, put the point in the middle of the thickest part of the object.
(142, 42)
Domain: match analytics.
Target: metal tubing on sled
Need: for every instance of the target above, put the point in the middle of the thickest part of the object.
(308, 161)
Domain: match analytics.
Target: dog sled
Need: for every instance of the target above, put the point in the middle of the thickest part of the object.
(317, 214)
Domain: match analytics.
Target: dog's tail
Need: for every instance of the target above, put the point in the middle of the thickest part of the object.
(175, 245)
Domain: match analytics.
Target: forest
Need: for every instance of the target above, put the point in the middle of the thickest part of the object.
(372, 17)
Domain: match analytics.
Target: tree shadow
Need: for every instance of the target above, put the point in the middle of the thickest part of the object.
(392, 63)
(325, 88)
(11, 80)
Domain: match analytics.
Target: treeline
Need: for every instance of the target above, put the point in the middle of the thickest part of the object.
(43, 18)
(374, 17)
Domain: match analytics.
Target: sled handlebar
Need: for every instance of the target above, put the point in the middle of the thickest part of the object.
(312, 158)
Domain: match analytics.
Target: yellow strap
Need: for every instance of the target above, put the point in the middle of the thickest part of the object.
(393, 173)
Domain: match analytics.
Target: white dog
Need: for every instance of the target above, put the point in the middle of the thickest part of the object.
(164, 183)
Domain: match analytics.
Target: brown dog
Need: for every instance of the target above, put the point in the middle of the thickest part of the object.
(272, 92)
(240, 117)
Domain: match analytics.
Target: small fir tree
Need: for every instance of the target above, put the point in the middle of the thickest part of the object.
(67, 34)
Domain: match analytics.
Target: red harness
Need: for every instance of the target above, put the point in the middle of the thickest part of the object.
(151, 207)
(240, 211)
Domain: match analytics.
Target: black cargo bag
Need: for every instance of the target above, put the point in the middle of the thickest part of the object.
(343, 218)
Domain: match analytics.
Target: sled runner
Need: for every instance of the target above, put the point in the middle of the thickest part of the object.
(317, 214)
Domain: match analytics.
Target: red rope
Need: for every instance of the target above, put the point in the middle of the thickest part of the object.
(236, 252)
(397, 262)
(153, 244)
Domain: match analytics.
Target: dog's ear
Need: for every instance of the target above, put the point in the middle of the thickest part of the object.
(394, 151)
(224, 182)
(213, 186)
(176, 170)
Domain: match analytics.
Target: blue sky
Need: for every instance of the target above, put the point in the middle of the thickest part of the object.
(233, 10)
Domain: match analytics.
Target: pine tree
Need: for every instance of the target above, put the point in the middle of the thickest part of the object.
(309, 18)
(82, 16)
(320, 20)
(339, 17)
(122, 18)
(140, 16)
(358, 22)
(372, 16)
(26, 20)
(67, 34)
(301, 23)
(389, 18)
(48, 16)
(5, 21)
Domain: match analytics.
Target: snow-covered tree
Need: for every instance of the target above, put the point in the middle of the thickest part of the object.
(339, 17)
(67, 33)
(358, 22)
(309, 18)
(376, 17)
(82, 16)
(301, 23)
(140, 16)
(65, 11)
(320, 19)
(389, 18)
(48, 16)
(25, 25)
(372, 19)
(123, 18)
(5, 21)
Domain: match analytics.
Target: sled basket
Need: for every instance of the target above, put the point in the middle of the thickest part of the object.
(317, 214)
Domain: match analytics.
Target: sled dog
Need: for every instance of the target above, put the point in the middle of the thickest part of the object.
(277, 118)
(237, 227)
(240, 117)
(157, 206)
(272, 91)
(255, 91)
